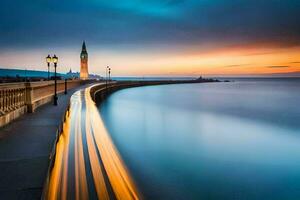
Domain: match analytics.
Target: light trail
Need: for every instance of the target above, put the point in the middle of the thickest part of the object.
(95, 164)
(118, 175)
(87, 164)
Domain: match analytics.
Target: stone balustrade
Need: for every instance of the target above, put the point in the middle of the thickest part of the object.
(18, 98)
(12, 97)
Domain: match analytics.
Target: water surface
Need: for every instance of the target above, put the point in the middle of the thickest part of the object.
(238, 140)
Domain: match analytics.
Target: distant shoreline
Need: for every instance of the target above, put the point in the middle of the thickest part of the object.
(18, 75)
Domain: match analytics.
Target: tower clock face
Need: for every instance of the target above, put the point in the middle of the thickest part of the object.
(83, 56)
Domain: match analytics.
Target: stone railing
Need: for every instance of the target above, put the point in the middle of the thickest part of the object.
(12, 97)
(18, 98)
(39, 93)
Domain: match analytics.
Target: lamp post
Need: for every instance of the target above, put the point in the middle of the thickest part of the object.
(66, 87)
(107, 67)
(48, 60)
(109, 75)
(55, 60)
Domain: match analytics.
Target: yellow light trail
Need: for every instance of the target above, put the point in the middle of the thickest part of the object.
(118, 175)
(95, 164)
(69, 175)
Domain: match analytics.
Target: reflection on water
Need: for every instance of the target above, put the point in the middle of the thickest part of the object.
(237, 140)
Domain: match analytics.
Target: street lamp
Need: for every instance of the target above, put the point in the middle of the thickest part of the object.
(66, 86)
(55, 60)
(109, 75)
(107, 67)
(48, 60)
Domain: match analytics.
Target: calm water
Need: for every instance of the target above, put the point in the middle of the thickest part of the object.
(238, 140)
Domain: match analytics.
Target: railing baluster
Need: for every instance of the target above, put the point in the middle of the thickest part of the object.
(1, 102)
(14, 98)
(9, 100)
(19, 92)
(23, 97)
(20, 97)
(5, 100)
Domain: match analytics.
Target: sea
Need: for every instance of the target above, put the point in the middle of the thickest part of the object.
(225, 140)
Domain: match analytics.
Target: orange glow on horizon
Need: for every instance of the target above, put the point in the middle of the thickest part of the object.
(225, 62)
(231, 60)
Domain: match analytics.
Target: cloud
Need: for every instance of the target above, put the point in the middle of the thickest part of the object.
(240, 65)
(278, 66)
(286, 74)
(32, 24)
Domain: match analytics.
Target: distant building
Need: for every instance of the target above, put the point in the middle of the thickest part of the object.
(95, 76)
(72, 75)
(84, 74)
(76, 75)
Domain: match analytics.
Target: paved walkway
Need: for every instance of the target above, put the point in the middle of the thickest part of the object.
(25, 145)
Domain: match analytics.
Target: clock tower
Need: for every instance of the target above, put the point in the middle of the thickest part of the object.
(84, 73)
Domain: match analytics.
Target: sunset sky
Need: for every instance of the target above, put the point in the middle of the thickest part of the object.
(154, 38)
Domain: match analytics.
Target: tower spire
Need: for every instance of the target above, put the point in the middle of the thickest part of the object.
(83, 46)
(84, 74)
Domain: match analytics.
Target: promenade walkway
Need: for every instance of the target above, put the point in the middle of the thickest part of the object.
(25, 145)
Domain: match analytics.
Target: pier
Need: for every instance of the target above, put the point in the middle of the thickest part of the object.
(26, 143)
(65, 151)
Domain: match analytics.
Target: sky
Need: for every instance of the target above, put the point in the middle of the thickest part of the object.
(154, 37)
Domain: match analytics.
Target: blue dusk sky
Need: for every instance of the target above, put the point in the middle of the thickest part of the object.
(166, 37)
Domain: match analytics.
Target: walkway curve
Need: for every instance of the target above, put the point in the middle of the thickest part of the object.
(87, 164)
